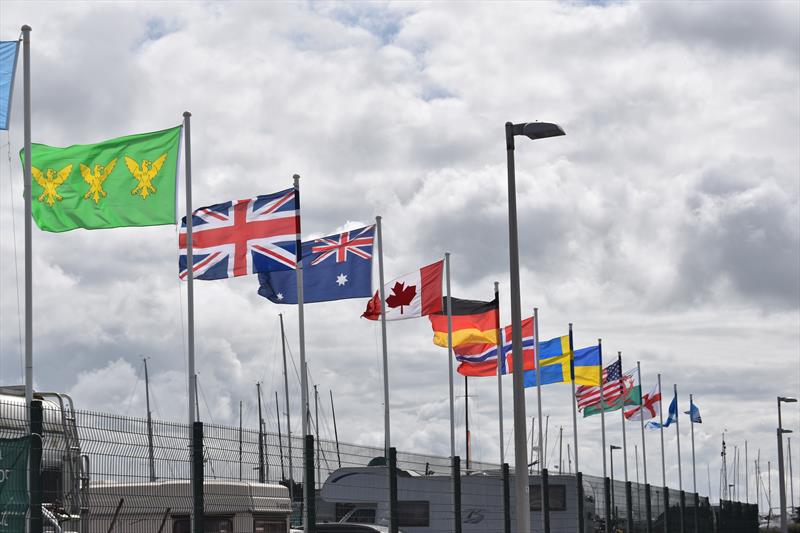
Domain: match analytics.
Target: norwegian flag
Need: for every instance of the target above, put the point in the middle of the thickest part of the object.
(243, 237)
(481, 359)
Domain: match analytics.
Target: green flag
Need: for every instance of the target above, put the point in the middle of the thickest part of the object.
(128, 181)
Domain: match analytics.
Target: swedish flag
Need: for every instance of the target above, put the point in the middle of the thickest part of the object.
(555, 358)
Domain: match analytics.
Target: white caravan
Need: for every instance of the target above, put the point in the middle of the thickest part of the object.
(425, 503)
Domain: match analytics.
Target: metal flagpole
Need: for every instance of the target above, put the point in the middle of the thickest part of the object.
(189, 266)
(641, 422)
(449, 354)
(386, 426)
(539, 453)
(288, 410)
(500, 355)
(602, 409)
(661, 430)
(622, 416)
(574, 400)
(307, 491)
(26, 77)
(691, 424)
(678, 435)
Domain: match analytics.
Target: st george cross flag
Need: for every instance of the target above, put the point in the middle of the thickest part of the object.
(481, 359)
(410, 296)
(243, 237)
(336, 267)
(8, 64)
(650, 408)
(673, 415)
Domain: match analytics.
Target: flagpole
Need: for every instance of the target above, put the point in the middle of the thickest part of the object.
(187, 140)
(26, 77)
(500, 355)
(308, 492)
(622, 416)
(574, 400)
(691, 423)
(386, 427)
(661, 430)
(538, 390)
(678, 434)
(602, 408)
(641, 421)
(449, 354)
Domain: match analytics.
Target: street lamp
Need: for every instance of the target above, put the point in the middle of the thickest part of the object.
(532, 130)
(781, 478)
(612, 448)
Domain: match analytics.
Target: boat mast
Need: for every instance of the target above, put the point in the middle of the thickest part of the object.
(261, 476)
(149, 423)
(280, 443)
(335, 431)
(288, 410)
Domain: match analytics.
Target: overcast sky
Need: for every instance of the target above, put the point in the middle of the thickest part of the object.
(666, 221)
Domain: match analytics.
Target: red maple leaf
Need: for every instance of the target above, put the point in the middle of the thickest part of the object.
(401, 296)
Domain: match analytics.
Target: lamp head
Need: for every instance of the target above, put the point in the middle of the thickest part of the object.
(786, 399)
(538, 130)
(614, 447)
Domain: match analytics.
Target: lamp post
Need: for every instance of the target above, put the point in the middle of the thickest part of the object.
(532, 130)
(781, 477)
(611, 453)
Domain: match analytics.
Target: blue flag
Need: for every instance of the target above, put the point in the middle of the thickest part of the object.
(694, 414)
(336, 267)
(673, 415)
(8, 64)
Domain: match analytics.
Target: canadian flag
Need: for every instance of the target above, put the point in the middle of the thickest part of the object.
(410, 296)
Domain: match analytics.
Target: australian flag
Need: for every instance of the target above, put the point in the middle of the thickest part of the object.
(336, 267)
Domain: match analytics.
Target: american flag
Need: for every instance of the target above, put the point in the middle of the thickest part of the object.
(243, 237)
(616, 385)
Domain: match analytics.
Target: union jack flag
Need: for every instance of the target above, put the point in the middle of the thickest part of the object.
(357, 242)
(243, 237)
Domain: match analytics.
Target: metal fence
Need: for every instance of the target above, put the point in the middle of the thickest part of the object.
(104, 472)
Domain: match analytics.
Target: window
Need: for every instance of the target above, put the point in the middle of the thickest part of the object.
(360, 515)
(413, 514)
(211, 524)
(269, 525)
(558, 497)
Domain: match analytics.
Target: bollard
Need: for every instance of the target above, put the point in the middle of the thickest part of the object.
(197, 477)
(34, 472)
(393, 525)
(579, 483)
(457, 493)
(506, 500)
(648, 509)
(309, 486)
(629, 506)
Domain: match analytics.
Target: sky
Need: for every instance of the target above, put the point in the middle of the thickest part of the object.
(666, 221)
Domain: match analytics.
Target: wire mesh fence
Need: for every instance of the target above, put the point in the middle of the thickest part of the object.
(104, 472)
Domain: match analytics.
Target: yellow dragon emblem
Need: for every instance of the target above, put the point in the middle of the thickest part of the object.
(145, 174)
(49, 181)
(96, 178)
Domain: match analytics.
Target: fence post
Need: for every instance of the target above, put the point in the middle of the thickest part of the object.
(34, 468)
(309, 488)
(545, 500)
(506, 500)
(197, 477)
(666, 510)
(607, 498)
(579, 483)
(456, 494)
(393, 518)
(682, 504)
(648, 508)
(629, 505)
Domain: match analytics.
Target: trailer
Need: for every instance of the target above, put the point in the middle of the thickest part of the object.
(425, 502)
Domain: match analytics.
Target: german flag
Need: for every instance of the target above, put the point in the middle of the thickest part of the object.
(473, 322)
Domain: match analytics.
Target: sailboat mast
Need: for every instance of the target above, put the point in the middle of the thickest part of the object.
(335, 431)
(280, 437)
(149, 423)
(288, 410)
(261, 476)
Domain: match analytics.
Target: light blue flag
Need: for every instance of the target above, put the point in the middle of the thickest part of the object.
(8, 64)
(694, 414)
(673, 415)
